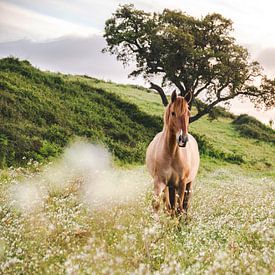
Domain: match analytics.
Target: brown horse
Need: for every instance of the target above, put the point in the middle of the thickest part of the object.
(172, 158)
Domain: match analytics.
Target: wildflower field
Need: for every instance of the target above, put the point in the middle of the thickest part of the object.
(53, 221)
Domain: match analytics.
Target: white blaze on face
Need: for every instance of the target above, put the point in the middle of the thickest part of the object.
(179, 133)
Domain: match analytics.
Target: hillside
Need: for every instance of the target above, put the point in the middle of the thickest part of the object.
(41, 112)
(220, 136)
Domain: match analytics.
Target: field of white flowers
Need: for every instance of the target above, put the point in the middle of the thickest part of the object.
(85, 217)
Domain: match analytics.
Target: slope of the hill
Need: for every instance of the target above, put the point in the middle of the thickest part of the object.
(40, 112)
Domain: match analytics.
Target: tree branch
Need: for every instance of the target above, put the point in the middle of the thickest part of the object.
(202, 88)
(209, 107)
(180, 87)
(161, 93)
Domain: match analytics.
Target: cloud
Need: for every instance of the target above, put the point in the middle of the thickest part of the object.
(48, 19)
(72, 54)
(21, 23)
(84, 12)
(267, 59)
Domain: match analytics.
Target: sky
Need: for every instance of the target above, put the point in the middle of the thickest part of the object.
(66, 36)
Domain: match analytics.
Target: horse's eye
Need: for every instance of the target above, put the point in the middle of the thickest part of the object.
(173, 114)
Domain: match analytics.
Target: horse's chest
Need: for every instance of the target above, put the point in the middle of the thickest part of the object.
(174, 169)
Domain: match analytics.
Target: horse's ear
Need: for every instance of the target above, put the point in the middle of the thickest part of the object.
(166, 114)
(188, 97)
(174, 96)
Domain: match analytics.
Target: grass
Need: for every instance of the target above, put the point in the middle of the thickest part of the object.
(250, 127)
(230, 231)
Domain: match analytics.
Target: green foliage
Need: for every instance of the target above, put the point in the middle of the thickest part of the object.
(219, 111)
(41, 112)
(252, 128)
(215, 112)
(3, 150)
(47, 150)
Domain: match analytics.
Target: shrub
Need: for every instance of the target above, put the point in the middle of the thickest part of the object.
(215, 112)
(220, 112)
(3, 150)
(250, 127)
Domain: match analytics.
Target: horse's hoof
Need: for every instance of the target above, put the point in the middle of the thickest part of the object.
(173, 213)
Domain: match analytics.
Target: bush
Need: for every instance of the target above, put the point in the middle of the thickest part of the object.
(250, 127)
(3, 150)
(215, 112)
(220, 112)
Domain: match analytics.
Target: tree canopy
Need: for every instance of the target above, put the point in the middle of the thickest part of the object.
(197, 56)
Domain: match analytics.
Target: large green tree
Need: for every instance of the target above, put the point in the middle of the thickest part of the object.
(197, 56)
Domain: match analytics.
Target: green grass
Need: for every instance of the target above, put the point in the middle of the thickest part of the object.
(250, 127)
(220, 133)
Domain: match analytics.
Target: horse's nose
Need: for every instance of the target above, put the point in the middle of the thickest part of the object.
(182, 140)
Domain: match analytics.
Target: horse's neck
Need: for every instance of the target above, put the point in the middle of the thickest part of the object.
(170, 142)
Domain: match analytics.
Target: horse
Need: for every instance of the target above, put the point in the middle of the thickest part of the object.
(172, 159)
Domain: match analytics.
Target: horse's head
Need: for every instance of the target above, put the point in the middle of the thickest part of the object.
(176, 118)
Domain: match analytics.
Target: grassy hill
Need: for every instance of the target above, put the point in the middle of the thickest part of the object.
(41, 112)
(74, 215)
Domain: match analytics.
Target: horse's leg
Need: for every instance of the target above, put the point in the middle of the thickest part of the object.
(182, 187)
(187, 196)
(172, 197)
(159, 186)
(166, 200)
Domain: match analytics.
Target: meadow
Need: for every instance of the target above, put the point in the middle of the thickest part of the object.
(230, 228)
(70, 207)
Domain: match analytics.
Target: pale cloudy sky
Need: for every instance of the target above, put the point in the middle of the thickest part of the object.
(66, 36)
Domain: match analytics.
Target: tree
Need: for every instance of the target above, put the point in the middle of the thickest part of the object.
(197, 56)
